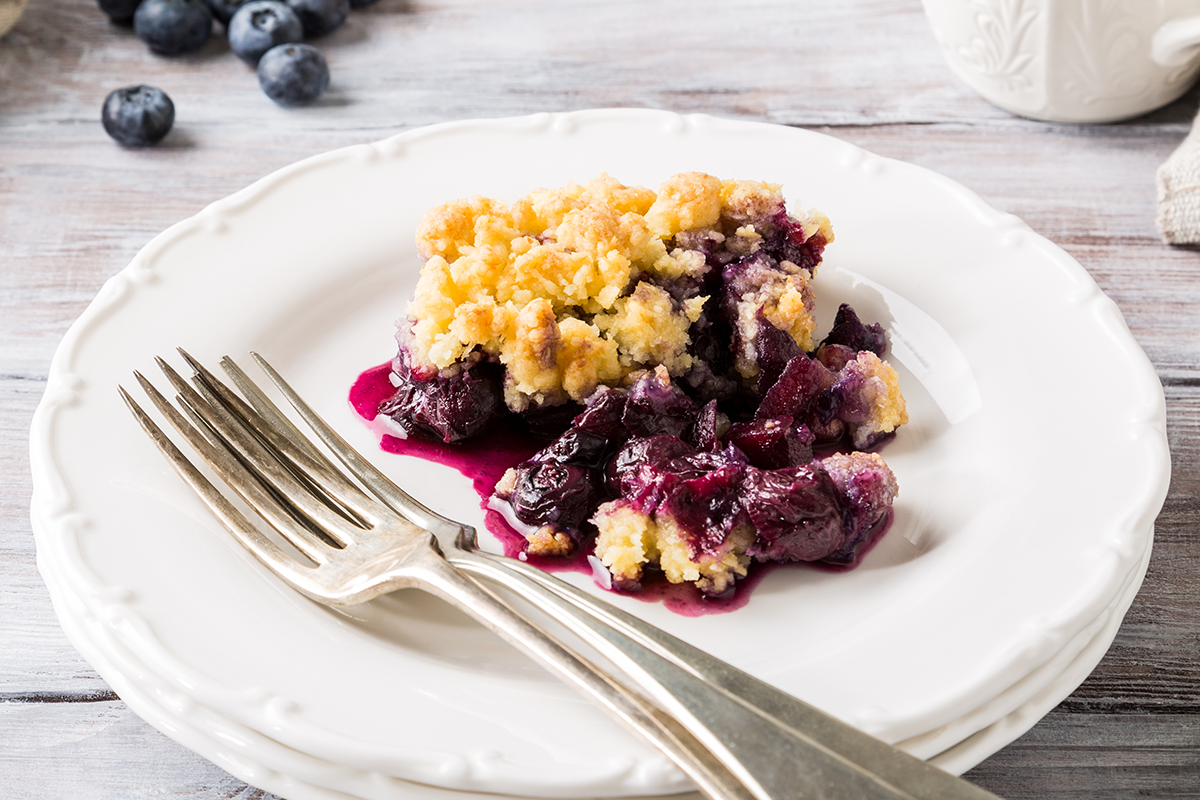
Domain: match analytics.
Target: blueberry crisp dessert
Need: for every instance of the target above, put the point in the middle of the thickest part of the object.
(662, 349)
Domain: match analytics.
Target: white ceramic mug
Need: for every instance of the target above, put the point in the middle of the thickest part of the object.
(10, 11)
(1072, 60)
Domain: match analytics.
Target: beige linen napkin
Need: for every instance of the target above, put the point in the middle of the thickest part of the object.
(1179, 192)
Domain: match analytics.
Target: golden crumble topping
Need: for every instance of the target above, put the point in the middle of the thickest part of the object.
(551, 285)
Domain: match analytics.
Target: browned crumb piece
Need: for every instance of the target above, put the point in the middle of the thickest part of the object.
(629, 540)
(881, 389)
(546, 541)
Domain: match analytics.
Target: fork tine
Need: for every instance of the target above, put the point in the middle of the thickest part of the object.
(238, 476)
(269, 411)
(234, 521)
(378, 483)
(264, 463)
(215, 438)
(295, 452)
(254, 426)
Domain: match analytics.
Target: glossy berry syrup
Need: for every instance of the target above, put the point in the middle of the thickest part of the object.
(484, 458)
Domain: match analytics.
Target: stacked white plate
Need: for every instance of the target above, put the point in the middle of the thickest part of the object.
(1031, 472)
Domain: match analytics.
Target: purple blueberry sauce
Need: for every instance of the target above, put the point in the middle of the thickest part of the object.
(484, 459)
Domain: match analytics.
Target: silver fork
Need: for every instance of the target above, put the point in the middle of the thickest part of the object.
(770, 744)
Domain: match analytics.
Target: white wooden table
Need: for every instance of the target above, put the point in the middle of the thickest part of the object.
(74, 208)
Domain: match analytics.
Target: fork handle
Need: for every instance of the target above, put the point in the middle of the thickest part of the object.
(768, 760)
(432, 573)
(661, 663)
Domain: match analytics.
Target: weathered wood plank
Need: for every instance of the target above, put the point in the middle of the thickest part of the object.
(102, 751)
(1105, 756)
(423, 62)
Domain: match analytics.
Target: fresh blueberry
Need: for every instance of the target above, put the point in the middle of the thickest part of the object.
(137, 115)
(320, 16)
(362, 3)
(173, 26)
(223, 10)
(259, 25)
(293, 74)
(119, 10)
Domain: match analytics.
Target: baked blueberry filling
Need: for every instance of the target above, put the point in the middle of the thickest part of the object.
(664, 345)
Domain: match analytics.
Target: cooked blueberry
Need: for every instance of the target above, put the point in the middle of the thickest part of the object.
(835, 356)
(546, 423)
(712, 376)
(260, 25)
(173, 26)
(786, 240)
(447, 408)
(793, 395)
(850, 400)
(775, 349)
(223, 10)
(561, 495)
(293, 74)
(119, 10)
(772, 443)
(603, 414)
(638, 467)
(710, 426)
(707, 507)
(697, 463)
(137, 115)
(748, 281)
(579, 448)
(653, 407)
(320, 17)
(852, 332)
(797, 512)
(867, 488)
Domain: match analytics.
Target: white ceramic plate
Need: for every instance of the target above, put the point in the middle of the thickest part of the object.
(1030, 474)
(269, 765)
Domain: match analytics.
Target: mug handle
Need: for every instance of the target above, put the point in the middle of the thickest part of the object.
(1176, 42)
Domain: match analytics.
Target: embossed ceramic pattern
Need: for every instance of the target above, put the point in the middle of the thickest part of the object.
(998, 564)
(1071, 60)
